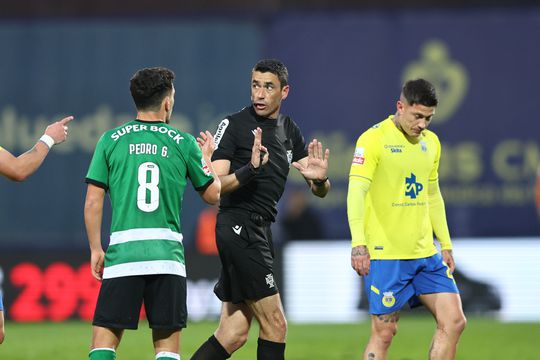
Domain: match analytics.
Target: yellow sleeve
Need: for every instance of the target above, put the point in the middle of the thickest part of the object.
(364, 164)
(366, 155)
(355, 209)
(437, 215)
(434, 175)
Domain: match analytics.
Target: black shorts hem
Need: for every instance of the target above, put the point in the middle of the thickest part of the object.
(240, 300)
(167, 327)
(115, 326)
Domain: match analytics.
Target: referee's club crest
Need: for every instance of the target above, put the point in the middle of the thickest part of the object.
(270, 280)
(388, 299)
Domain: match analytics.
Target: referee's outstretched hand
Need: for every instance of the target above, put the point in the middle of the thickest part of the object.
(259, 153)
(316, 166)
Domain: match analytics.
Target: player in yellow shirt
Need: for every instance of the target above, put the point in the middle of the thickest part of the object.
(394, 206)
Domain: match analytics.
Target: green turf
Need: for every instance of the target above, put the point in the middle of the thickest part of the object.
(483, 339)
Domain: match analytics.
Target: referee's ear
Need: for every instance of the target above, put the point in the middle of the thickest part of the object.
(284, 92)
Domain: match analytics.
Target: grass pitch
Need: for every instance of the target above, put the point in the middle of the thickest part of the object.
(483, 339)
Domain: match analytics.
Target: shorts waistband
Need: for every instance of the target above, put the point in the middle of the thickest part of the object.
(256, 218)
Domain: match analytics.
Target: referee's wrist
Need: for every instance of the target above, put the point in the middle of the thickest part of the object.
(246, 173)
(320, 182)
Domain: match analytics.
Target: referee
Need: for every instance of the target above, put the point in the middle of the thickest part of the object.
(254, 151)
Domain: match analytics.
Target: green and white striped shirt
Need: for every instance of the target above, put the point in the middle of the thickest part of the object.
(145, 167)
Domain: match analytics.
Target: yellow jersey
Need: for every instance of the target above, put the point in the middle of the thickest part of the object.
(397, 224)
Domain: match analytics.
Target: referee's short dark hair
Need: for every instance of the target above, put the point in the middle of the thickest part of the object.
(420, 91)
(275, 67)
(149, 87)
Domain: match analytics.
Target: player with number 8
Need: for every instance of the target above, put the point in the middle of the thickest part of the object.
(144, 165)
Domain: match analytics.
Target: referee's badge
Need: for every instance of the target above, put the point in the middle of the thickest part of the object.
(270, 280)
(423, 145)
(388, 299)
(289, 157)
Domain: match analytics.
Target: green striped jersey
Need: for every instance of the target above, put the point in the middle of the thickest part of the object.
(145, 166)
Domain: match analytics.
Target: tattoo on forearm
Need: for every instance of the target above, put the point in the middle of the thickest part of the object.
(371, 356)
(359, 250)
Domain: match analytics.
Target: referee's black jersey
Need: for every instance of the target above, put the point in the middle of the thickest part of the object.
(234, 142)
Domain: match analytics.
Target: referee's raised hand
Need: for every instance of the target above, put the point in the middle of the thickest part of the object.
(259, 153)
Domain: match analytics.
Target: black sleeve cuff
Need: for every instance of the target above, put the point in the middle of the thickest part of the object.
(97, 183)
(205, 186)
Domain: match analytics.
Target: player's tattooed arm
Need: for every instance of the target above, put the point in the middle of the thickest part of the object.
(360, 260)
(360, 250)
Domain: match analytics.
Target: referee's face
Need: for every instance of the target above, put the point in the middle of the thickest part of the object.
(267, 94)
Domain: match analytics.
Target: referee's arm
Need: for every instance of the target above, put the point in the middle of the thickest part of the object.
(229, 182)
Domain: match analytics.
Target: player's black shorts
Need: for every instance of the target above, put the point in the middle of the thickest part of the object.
(244, 241)
(120, 299)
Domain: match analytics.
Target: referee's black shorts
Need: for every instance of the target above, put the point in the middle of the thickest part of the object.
(244, 241)
(120, 299)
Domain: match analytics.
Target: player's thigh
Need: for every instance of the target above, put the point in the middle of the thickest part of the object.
(445, 307)
(235, 320)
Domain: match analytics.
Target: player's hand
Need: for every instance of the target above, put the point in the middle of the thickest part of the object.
(360, 260)
(59, 130)
(448, 258)
(317, 164)
(97, 259)
(206, 143)
(259, 153)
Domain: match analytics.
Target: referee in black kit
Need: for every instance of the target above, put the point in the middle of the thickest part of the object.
(254, 151)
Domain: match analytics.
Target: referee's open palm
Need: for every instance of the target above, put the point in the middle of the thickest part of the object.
(316, 166)
(259, 153)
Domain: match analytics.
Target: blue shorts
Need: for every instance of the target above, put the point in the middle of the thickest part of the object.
(1, 304)
(390, 284)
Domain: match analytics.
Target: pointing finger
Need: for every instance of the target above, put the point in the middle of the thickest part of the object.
(66, 120)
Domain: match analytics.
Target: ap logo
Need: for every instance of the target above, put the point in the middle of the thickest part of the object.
(412, 188)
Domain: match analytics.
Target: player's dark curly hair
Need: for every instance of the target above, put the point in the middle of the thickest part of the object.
(150, 86)
(421, 92)
(275, 67)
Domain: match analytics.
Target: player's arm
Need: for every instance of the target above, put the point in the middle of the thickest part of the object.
(93, 214)
(21, 167)
(437, 215)
(211, 194)
(314, 168)
(356, 195)
(242, 176)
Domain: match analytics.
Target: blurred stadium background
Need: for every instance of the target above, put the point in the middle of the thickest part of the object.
(347, 60)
